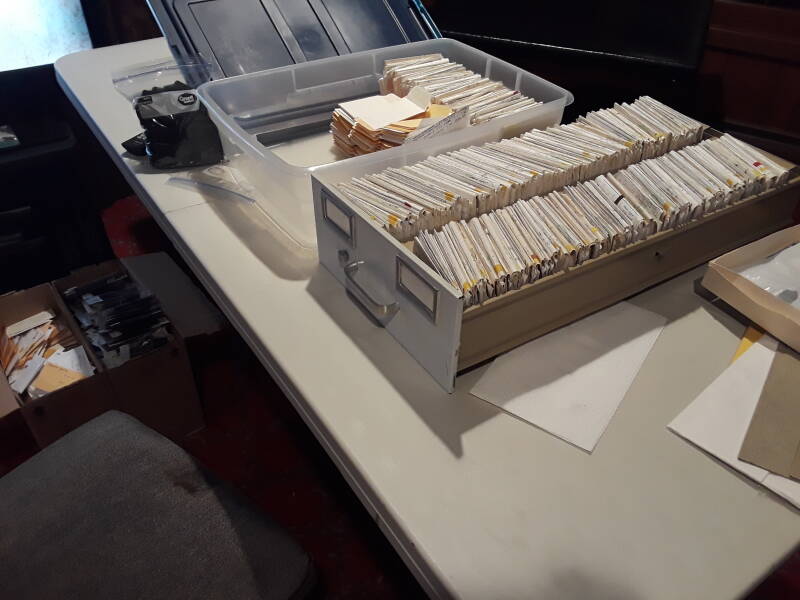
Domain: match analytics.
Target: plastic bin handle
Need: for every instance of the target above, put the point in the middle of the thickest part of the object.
(382, 313)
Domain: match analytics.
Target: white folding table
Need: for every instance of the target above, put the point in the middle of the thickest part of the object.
(479, 504)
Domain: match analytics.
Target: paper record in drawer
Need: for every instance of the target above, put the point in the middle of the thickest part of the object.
(426, 314)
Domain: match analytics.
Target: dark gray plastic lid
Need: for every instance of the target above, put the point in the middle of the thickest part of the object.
(243, 36)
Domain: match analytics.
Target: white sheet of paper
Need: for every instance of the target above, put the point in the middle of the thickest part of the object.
(74, 360)
(571, 382)
(717, 420)
(22, 378)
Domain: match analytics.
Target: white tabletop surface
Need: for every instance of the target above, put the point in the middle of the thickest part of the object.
(478, 503)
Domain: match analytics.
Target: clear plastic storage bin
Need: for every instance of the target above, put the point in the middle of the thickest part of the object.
(274, 124)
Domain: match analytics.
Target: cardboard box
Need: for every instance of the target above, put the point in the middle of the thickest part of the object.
(778, 317)
(772, 441)
(157, 388)
(55, 414)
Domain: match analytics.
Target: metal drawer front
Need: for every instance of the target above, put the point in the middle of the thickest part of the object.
(419, 309)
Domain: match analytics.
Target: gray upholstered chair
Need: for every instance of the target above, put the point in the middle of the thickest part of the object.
(115, 510)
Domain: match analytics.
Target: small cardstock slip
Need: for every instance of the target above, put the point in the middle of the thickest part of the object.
(772, 441)
(20, 327)
(456, 120)
(570, 382)
(379, 111)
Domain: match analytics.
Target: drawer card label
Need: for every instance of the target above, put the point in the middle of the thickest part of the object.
(419, 290)
(338, 216)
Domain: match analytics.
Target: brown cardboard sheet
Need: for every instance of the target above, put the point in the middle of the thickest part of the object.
(772, 441)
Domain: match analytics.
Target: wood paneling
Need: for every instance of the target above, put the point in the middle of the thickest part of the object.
(751, 69)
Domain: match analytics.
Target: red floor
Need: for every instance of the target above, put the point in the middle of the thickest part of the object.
(256, 441)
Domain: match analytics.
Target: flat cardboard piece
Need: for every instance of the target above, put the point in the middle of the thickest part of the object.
(158, 388)
(776, 316)
(772, 441)
(189, 311)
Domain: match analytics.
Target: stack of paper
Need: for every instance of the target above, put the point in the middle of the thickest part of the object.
(454, 85)
(378, 122)
(40, 355)
(478, 179)
(121, 319)
(502, 250)
(719, 419)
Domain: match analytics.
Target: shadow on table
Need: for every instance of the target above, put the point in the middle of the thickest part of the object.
(448, 416)
(268, 243)
(271, 245)
(721, 311)
(570, 584)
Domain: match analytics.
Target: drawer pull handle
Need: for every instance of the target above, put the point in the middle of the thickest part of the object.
(383, 313)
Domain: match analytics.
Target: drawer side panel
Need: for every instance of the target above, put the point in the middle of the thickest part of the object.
(553, 302)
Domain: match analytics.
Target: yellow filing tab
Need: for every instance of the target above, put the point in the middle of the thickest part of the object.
(752, 334)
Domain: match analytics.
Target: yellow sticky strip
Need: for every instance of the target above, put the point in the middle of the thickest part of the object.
(751, 335)
(498, 268)
(393, 220)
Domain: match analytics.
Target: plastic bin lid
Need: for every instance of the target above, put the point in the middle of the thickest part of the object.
(244, 36)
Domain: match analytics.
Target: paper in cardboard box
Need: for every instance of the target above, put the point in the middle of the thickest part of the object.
(157, 388)
(724, 278)
(56, 413)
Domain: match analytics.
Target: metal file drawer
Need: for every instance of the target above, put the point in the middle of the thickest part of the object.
(425, 314)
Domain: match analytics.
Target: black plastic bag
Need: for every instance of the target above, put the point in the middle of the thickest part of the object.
(179, 133)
